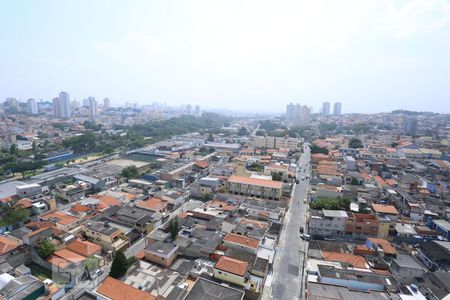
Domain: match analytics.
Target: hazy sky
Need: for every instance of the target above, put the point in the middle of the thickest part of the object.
(249, 55)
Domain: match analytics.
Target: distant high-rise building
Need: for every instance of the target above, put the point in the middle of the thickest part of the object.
(411, 126)
(189, 109)
(290, 112)
(86, 102)
(32, 107)
(337, 108)
(106, 103)
(296, 113)
(61, 106)
(92, 108)
(196, 109)
(13, 103)
(326, 108)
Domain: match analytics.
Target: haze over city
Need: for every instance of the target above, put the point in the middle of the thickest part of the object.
(253, 56)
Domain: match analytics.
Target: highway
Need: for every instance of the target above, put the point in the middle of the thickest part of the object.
(290, 260)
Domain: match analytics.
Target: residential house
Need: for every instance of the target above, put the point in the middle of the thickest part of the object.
(232, 270)
(327, 222)
(161, 253)
(254, 187)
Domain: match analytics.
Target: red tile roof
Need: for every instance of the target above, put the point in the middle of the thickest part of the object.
(353, 260)
(154, 204)
(61, 217)
(202, 164)
(232, 265)
(256, 181)
(7, 245)
(58, 261)
(241, 240)
(23, 203)
(385, 209)
(117, 290)
(69, 255)
(84, 248)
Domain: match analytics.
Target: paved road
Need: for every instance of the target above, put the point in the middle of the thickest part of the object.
(289, 262)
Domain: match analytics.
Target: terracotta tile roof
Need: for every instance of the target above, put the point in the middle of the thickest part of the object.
(107, 200)
(23, 203)
(385, 209)
(38, 231)
(232, 265)
(155, 204)
(257, 182)
(8, 199)
(353, 260)
(202, 164)
(80, 208)
(117, 290)
(84, 248)
(58, 261)
(241, 240)
(380, 181)
(221, 205)
(384, 244)
(366, 176)
(391, 182)
(61, 217)
(7, 245)
(43, 224)
(69, 255)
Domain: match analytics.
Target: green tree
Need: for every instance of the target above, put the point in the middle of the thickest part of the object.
(277, 176)
(317, 149)
(130, 172)
(256, 167)
(46, 249)
(13, 149)
(243, 131)
(173, 228)
(355, 143)
(92, 264)
(354, 181)
(119, 265)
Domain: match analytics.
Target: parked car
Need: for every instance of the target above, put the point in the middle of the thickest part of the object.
(302, 229)
(305, 237)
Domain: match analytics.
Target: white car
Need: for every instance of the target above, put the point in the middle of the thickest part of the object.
(305, 237)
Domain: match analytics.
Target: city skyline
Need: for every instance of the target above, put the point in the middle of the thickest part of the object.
(371, 56)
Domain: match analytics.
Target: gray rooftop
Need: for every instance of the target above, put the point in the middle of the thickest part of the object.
(442, 224)
(334, 213)
(161, 247)
(406, 261)
(204, 289)
(318, 291)
(101, 227)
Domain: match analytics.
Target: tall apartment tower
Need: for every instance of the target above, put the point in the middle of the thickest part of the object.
(337, 108)
(106, 103)
(64, 111)
(296, 113)
(92, 108)
(290, 112)
(411, 126)
(326, 108)
(32, 107)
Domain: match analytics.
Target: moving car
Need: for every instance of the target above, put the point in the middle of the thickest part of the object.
(305, 237)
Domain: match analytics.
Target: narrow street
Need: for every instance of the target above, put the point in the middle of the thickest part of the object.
(290, 260)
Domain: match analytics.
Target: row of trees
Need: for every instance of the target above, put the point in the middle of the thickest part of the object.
(332, 204)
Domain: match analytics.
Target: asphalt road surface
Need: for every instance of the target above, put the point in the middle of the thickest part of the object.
(288, 276)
